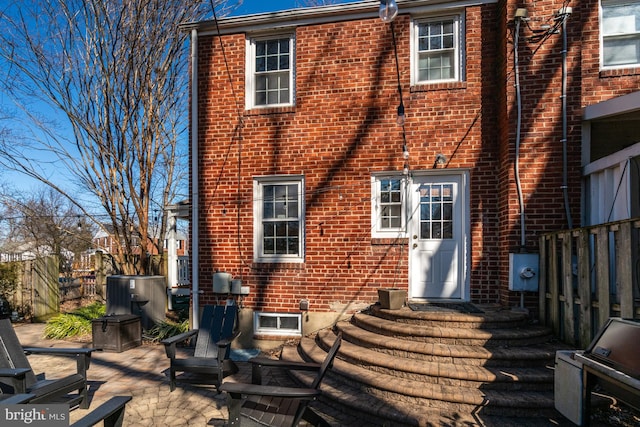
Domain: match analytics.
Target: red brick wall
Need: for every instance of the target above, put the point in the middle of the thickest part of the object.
(342, 130)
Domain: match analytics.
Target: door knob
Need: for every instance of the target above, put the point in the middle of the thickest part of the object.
(415, 236)
(415, 245)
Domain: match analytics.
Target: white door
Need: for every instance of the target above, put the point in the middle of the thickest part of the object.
(437, 237)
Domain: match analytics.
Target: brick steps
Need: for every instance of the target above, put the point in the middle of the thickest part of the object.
(410, 373)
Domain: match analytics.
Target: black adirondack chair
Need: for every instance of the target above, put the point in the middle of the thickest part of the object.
(17, 376)
(276, 405)
(110, 413)
(218, 328)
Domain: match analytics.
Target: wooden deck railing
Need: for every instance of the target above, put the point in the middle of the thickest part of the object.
(588, 275)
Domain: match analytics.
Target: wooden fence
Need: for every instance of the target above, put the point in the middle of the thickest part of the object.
(588, 275)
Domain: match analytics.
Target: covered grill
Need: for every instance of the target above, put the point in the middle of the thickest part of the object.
(613, 361)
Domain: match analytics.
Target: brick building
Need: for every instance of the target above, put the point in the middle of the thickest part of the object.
(307, 188)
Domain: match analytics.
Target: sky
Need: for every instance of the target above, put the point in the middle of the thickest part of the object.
(259, 6)
(247, 7)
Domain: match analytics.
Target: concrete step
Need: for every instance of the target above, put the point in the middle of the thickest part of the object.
(447, 373)
(493, 317)
(445, 334)
(404, 367)
(540, 355)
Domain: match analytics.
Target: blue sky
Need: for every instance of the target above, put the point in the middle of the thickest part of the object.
(258, 6)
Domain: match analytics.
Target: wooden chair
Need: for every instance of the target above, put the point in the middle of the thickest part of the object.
(111, 412)
(276, 405)
(17, 377)
(218, 328)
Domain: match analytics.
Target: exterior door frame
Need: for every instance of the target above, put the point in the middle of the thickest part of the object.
(464, 241)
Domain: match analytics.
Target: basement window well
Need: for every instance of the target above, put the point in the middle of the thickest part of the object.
(280, 324)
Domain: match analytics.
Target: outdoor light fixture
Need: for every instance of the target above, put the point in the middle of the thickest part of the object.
(400, 118)
(388, 10)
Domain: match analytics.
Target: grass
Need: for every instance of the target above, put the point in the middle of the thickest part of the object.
(75, 323)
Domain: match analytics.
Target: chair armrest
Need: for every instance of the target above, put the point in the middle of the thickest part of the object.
(13, 399)
(226, 342)
(170, 343)
(19, 377)
(277, 363)
(258, 362)
(237, 390)
(82, 355)
(112, 412)
(58, 351)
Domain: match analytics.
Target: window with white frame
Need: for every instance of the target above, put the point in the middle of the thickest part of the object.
(270, 71)
(620, 33)
(279, 219)
(282, 324)
(437, 53)
(388, 205)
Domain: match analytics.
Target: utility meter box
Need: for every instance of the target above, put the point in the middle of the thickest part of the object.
(523, 272)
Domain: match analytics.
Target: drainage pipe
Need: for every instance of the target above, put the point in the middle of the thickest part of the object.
(195, 229)
(564, 15)
(516, 164)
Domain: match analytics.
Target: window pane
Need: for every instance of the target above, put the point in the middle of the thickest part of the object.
(436, 230)
(284, 45)
(272, 47)
(425, 230)
(621, 52)
(447, 42)
(447, 230)
(268, 322)
(260, 64)
(272, 63)
(289, 323)
(284, 62)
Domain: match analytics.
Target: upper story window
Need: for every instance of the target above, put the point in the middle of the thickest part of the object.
(437, 49)
(270, 69)
(388, 205)
(620, 33)
(279, 219)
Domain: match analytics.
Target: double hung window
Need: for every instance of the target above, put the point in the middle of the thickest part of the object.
(437, 50)
(270, 71)
(388, 207)
(279, 219)
(620, 33)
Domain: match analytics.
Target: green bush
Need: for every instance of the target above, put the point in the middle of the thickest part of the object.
(166, 329)
(74, 323)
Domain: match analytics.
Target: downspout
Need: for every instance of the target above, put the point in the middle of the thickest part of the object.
(516, 164)
(195, 229)
(564, 15)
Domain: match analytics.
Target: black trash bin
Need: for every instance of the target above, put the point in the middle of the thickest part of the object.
(117, 332)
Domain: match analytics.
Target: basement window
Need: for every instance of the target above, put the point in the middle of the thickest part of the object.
(281, 324)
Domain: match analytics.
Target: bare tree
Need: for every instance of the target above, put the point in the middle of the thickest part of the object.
(113, 76)
(49, 223)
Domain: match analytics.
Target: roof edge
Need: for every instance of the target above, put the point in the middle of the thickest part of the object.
(317, 15)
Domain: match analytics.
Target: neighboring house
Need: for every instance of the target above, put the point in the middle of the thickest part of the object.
(306, 188)
(11, 252)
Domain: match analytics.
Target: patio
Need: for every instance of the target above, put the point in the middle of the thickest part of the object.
(141, 372)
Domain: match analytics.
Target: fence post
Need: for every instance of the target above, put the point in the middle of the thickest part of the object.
(567, 279)
(584, 288)
(602, 274)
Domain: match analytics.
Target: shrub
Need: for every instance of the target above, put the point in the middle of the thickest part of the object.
(166, 329)
(74, 323)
